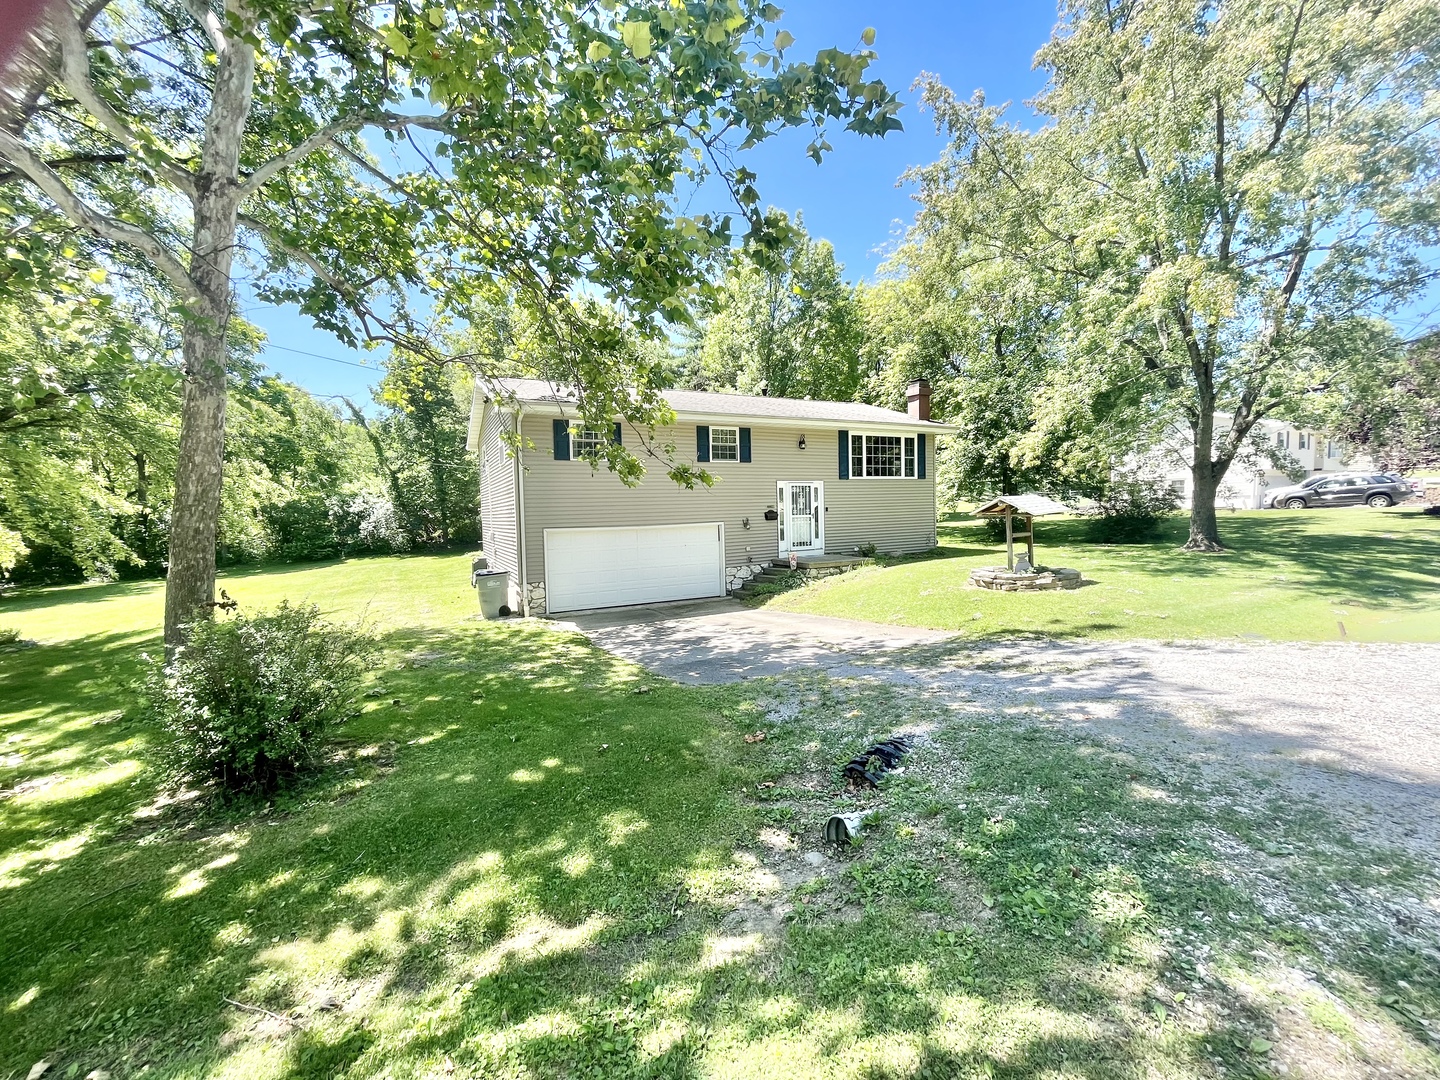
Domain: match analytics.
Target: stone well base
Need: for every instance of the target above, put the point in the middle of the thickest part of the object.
(1038, 580)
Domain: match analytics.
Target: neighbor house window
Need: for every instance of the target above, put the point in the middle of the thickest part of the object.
(1303, 440)
(724, 444)
(1332, 448)
(881, 455)
(1282, 440)
(587, 442)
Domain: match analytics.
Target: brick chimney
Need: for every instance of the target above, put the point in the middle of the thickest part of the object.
(917, 399)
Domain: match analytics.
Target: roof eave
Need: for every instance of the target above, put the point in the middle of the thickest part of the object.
(556, 408)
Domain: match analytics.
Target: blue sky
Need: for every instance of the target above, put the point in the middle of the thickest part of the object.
(851, 200)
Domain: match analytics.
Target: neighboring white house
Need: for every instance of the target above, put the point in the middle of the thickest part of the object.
(1257, 470)
(808, 478)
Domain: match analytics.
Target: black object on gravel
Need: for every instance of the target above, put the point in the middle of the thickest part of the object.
(866, 769)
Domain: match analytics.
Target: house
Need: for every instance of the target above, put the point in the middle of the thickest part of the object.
(808, 477)
(1272, 443)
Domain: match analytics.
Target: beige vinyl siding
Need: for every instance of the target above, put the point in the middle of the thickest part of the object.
(896, 515)
(498, 498)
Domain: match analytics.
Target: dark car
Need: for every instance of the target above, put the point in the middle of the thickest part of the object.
(1342, 489)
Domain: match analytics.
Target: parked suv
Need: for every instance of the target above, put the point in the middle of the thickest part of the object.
(1342, 489)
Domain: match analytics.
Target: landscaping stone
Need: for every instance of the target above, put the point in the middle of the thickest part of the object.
(1038, 579)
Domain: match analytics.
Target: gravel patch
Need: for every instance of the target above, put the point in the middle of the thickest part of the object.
(1354, 725)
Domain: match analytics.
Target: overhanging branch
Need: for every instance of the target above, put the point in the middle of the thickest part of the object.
(75, 73)
(327, 135)
(102, 225)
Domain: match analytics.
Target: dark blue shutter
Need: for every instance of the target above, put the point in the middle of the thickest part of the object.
(617, 433)
(561, 429)
(920, 456)
(744, 444)
(844, 455)
(702, 443)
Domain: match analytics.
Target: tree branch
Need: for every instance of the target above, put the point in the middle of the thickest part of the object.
(326, 136)
(201, 12)
(74, 160)
(75, 74)
(101, 225)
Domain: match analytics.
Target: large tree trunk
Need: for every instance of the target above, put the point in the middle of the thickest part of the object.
(1205, 474)
(190, 581)
(1204, 529)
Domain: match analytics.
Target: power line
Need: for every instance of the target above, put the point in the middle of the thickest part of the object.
(318, 356)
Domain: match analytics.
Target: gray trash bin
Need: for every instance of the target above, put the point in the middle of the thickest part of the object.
(493, 586)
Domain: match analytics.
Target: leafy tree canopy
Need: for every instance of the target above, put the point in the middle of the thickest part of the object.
(541, 146)
(1218, 185)
(787, 323)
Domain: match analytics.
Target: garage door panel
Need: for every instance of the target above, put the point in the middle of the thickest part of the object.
(612, 567)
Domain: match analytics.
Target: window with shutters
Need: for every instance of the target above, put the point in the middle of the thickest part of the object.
(587, 442)
(881, 456)
(724, 444)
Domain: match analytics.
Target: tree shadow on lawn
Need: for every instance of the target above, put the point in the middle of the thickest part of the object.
(541, 881)
(30, 598)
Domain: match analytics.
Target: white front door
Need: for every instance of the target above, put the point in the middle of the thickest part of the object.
(801, 508)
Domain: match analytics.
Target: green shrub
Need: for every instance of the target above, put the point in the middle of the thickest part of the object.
(995, 529)
(300, 529)
(248, 703)
(1132, 511)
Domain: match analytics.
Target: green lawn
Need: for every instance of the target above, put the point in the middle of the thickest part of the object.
(528, 859)
(1291, 576)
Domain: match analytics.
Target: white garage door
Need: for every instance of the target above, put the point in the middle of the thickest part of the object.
(587, 568)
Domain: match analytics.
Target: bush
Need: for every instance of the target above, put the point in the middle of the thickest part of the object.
(249, 702)
(994, 529)
(377, 528)
(301, 529)
(1132, 511)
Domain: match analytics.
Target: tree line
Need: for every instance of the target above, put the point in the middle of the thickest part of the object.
(89, 440)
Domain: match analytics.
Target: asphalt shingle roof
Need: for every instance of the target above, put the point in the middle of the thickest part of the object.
(703, 403)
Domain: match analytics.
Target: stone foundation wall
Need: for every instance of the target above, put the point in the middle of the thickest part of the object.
(1040, 580)
(535, 598)
(737, 576)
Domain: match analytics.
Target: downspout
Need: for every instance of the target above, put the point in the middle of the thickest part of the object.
(520, 514)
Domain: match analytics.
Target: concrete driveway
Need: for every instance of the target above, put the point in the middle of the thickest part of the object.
(718, 641)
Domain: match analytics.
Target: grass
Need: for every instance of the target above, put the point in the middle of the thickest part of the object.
(1292, 576)
(530, 859)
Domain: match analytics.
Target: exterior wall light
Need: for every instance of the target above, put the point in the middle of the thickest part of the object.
(802, 442)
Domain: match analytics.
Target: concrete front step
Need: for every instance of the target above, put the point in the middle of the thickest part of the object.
(779, 572)
(824, 562)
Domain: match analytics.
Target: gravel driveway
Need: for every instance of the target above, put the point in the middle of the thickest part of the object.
(1355, 725)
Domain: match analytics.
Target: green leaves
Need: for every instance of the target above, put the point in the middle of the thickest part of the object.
(397, 42)
(596, 51)
(784, 39)
(636, 36)
(868, 35)
(785, 318)
(1151, 256)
